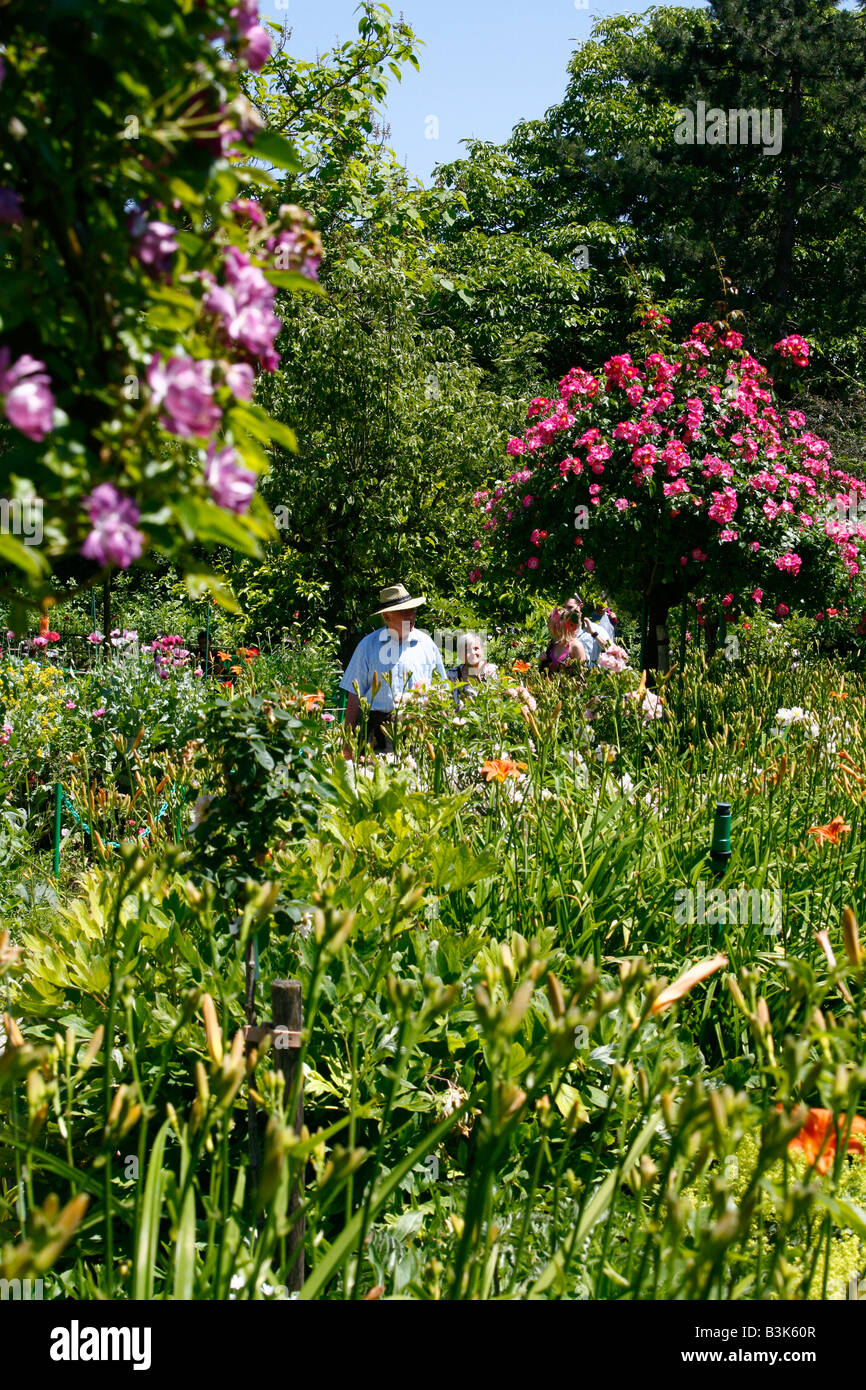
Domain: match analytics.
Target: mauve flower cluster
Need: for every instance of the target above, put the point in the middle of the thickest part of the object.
(185, 386)
(700, 447)
(254, 41)
(246, 306)
(114, 539)
(296, 246)
(27, 399)
(155, 245)
(231, 485)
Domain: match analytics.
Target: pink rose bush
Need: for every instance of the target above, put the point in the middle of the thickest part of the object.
(691, 474)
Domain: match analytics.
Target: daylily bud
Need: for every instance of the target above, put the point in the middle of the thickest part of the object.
(851, 937)
(213, 1036)
(554, 993)
(92, 1048)
(13, 1032)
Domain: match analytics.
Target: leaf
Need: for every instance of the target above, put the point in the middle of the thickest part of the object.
(24, 557)
(184, 1250)
(339, 1251)
(275, 149)
(199, 583)
(263, 427)
(209, 522)
(566, 1098)
(149, 1219)
(293, 280)
(598, 1206)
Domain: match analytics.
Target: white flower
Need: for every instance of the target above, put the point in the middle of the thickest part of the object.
(786, 718)
(200, 809)
(305, 925)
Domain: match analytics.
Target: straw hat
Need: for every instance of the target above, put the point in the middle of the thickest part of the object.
(394, 597)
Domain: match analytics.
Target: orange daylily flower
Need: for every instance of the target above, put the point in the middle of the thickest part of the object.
(830, 832)
(224, 656)
(236, 669)
(312, 702)
(839, 694)
(817, 1138)
(692, 977)
(520, 666)
(498, 769)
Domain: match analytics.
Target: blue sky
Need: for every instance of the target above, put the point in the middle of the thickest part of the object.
(486, 64)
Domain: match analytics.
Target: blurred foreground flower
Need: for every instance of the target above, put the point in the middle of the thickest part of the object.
(692, 977)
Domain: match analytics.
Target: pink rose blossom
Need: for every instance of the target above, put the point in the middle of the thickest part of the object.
(231, 485)
(114, 539)
(28, 402)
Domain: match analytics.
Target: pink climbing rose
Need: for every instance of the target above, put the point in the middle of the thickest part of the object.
(28, 402)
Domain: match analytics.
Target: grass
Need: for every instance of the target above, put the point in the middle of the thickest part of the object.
(494, 1106)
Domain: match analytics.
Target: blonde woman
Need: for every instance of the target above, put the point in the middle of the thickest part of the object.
(566, 651)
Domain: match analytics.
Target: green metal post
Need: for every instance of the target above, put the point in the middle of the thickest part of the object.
(58, 802)
(720, 851)
(207, 641)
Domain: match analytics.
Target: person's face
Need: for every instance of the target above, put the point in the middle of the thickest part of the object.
(474, 653)
(401, 622)
(565, 619)
(570, 615)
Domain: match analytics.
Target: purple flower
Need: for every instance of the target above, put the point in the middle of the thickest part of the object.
(248, 209)
(292, 249)
(114, 538)
(246, 305)
(183, 387)
(10, 206)
(240, 379)
(231, 485)
(156, 243)
(255, 42)
(95, 638)
(256, 47)
(28, 403)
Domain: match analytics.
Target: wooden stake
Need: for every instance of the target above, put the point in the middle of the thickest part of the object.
(286, 1007)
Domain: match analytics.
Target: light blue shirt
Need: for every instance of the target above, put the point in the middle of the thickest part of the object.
(590, 645)
(400, 666)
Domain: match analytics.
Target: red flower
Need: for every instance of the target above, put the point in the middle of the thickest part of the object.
(817, 1138)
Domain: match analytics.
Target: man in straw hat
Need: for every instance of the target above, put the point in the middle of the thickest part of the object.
(387, 662)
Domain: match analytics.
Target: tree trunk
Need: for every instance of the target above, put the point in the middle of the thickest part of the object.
(658, 658)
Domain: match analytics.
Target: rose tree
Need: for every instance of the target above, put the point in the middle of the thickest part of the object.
(137, 303)
(679, 474)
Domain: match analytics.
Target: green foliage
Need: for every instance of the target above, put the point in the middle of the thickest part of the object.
(85, 298)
